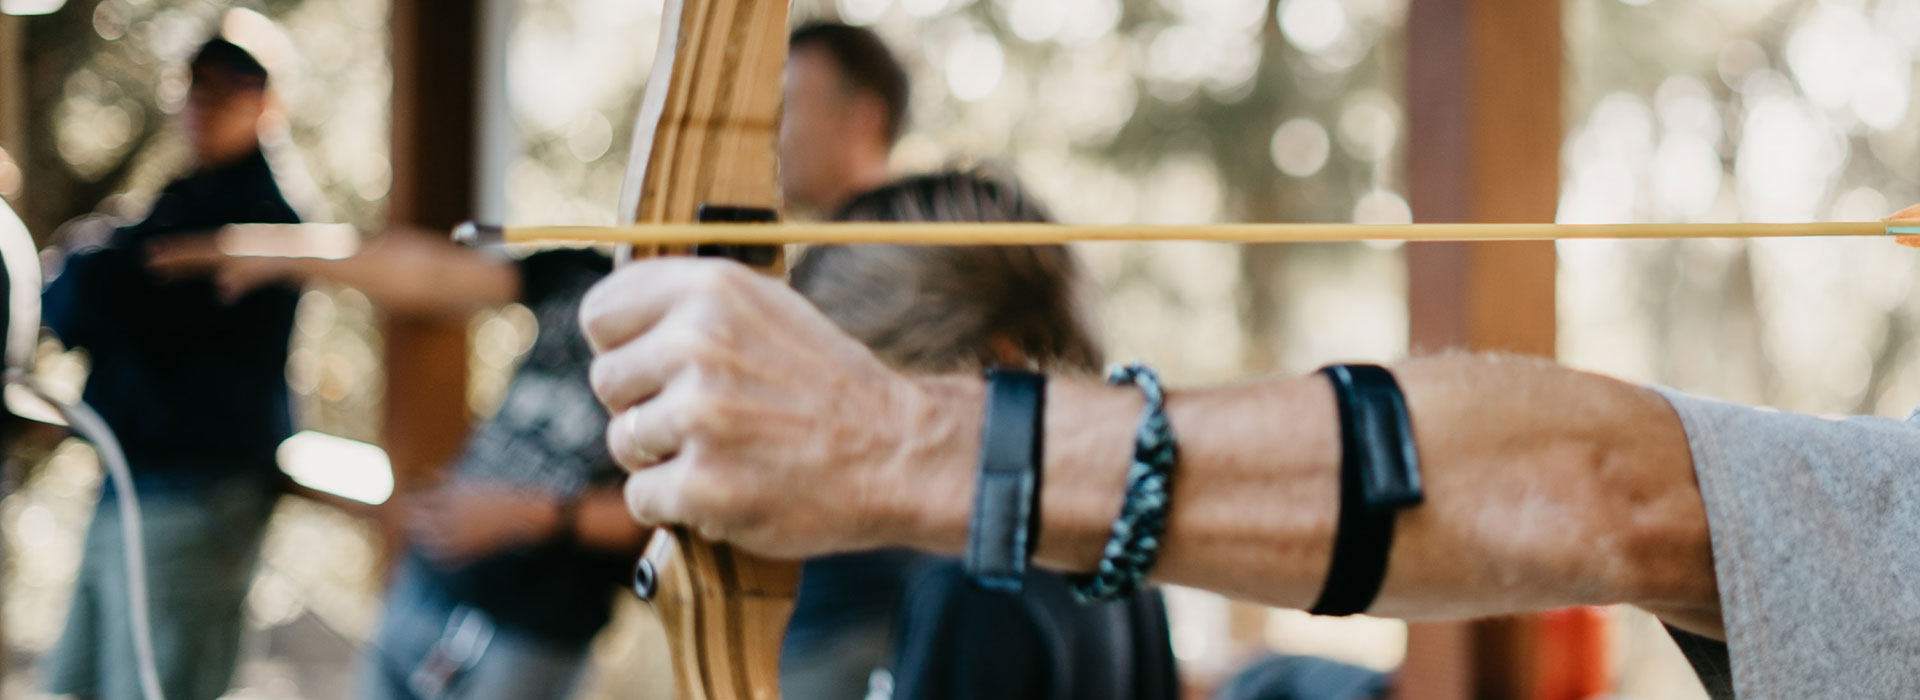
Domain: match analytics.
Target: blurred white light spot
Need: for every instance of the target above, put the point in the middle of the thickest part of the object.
(110, 20)
(1737, 59)
(1787, 158)
(1382, 207)
(1685, 104)
(1184, 189)
(1608, 159)
(1884, 86)
(1624, 122)
(90, 135)
(30, 7)
(1197, 619)
(1686, 177)
(374, 178)
(924, 8)
(336, 465)
(1636, 3)
(974, 66)
(537, 58)
(1091, 102)
(1827, 52)
(1224, 16)
(1036, 20)
(1900, 20)
(171, 92)
(589, 137)
(1300, 147)
(1089, 20)
(1177, 54)
(1373, 642)
(261, 37)
(1766, 82)
(1313, 25)
(1368, 128)
(1861, 204)
(1232, 63)
(861, 11)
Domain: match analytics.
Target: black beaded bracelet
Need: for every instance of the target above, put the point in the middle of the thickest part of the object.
(1134, 545)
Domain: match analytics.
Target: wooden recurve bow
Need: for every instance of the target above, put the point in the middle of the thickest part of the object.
(705, 147)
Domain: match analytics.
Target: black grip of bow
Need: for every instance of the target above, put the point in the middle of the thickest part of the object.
(749, 255)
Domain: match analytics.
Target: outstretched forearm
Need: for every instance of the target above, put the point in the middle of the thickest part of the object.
(749, 417)
(419, 277)
(1545, 487)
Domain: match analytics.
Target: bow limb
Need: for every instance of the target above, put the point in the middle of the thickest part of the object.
(707, 137)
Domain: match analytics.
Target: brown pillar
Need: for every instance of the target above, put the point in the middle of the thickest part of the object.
(13, 91)
(1483, 101)
(12, 128)
(1483, 86)
(434, 98)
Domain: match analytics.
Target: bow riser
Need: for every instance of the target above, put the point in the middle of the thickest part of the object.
(708, 137)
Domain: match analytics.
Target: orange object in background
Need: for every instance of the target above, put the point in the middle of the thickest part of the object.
(1573, 660)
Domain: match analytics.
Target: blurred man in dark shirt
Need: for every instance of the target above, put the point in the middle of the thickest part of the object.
(846, 105)
(515, 558)
(194, 386)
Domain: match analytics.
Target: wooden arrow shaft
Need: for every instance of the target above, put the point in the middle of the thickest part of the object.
(1037, 234)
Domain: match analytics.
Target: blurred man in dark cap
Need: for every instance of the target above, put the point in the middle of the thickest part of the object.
(195, 388)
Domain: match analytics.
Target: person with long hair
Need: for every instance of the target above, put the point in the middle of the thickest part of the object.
(919, 619)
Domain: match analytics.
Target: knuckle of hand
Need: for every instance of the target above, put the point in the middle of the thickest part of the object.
(715, 337)
(709, 371)
(618, 445)
(639, 505)
(702, 418)
(716, 416)
(603, 378)
(706, 495)
(594, 312)
(726, 274)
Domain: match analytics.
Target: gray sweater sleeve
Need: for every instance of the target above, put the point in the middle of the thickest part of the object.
(1816, 543)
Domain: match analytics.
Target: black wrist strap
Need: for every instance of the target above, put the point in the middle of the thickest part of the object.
(1379, 476)
(567, 519)
(1006, 501)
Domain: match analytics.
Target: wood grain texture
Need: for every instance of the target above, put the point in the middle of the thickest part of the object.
(708, 134)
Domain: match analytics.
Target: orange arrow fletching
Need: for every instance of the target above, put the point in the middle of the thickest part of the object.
(1905, 226)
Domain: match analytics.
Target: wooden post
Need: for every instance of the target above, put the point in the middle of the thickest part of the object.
(13, 90)
(1483, 86)
(434, 97)
(1483, 103)
(13, 100)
